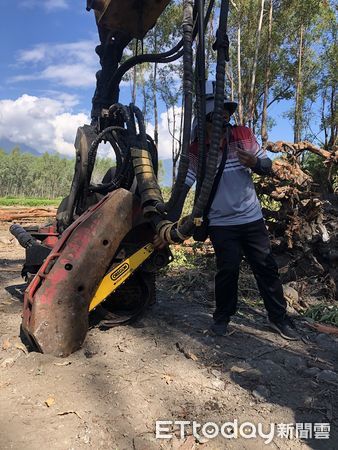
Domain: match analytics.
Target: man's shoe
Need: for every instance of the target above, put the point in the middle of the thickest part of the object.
(219, 329)
(285, 328)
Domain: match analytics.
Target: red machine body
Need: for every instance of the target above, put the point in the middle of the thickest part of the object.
(56, 302)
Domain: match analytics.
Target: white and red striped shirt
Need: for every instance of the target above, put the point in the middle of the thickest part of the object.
(235, 201)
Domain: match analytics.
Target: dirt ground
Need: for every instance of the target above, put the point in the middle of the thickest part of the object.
(110, 393)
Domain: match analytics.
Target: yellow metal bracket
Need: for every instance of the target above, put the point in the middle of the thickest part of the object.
(120, 274)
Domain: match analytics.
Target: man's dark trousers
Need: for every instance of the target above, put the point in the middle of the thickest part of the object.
(252, 240)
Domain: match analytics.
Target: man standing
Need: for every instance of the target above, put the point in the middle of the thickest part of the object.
(236, 225)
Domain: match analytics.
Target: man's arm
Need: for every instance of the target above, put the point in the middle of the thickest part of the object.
(251, 155)
(263, 166)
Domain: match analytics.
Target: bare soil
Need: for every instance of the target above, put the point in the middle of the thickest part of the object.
(165, 367)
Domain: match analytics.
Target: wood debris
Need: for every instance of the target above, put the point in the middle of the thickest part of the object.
(303, 224)
(9, 214)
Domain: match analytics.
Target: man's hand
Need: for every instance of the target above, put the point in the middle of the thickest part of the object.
(158, 242)
(247, 159)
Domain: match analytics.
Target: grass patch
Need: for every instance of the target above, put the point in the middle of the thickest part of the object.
(182, 259)
(25, 201)
(322, 313)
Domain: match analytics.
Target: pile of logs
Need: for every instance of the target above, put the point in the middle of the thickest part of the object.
(22, 213)
(304, 225)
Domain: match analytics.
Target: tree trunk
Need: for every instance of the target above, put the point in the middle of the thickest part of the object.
(333, 121)
(155, 106)
(172, 145)
(264, 128)
(145, 99)
(239, 87)
(324, 120)
(228, 72)
(210, 37)
(254, 67)
(299, 85)
(133, 94)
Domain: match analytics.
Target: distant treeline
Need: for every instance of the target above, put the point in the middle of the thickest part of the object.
(47, 176)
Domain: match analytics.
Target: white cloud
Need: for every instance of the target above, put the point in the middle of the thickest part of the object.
(34, 55)
(165, 138)
(44, 124)
(49, 125)
(48, 5)
(72, 65)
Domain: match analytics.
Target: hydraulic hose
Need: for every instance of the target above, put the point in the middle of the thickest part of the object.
(222, 48)
(200, 100)
(147, 183)
(184, 161)
(116, 108)
(169, 56)
(186, 229)
(25, 239)
(154, 154)
(122, 163)
(139, 59)
(121, 172)
(140, 122)
(188, 22)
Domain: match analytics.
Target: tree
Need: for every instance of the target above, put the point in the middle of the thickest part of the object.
(171, 92)
(166, 31)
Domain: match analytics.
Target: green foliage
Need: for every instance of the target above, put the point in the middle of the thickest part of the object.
(22, 201)
(25, 175)
(323, 313)
(102, 165)
(269, 203)
(318, 65)
(182, 258)
(314, 80)
(327, 181)
(160, 172)
(189, 201)
(48, 176)
(335, 183)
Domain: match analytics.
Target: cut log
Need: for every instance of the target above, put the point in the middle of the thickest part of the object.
(9, 214)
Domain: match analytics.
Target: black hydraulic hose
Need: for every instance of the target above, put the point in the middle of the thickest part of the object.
(139, 59)
(154, 154)
(119, 108)
(208, 13)
(218, 112)
(122, 167)
(129, 178)
(93, 150)
(116, 108)
(80, 202)
(200, 100)
(113, 140)
(188, 22)
(147, 183)
(24, 238)
(141, 126)
(187, 227)
(161, 58)
(131, 127)
(184, 159)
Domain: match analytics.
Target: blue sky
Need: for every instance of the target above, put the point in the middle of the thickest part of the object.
(47, 73)
(38, 49)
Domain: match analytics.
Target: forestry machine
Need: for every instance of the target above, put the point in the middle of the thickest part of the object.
(99, 254)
